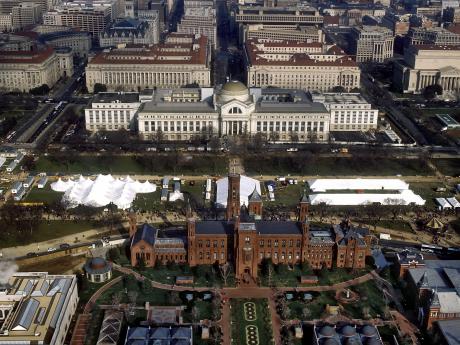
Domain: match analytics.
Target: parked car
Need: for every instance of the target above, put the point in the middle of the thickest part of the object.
(64, 246)
(51, 249)
(29, 255)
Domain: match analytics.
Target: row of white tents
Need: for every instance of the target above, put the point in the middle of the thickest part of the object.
(101, 191)
(397, 192)
(447, 203)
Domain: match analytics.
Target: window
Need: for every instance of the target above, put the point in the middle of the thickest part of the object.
(235, 110)
(247, 240)
(261, 243)
(276, 243)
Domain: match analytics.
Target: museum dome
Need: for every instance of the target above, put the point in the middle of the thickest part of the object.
(234, 86)
(233, 90)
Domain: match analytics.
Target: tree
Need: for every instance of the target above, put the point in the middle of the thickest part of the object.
(225, 271)
(306, 313)
(294, 136)
(158, 137)
(338, 88)
(214, 144)
(395, 206)
(98, 87)
(274, 136)
(28, 163)
(40, 90)
(174, 298)
(132, 296)
(195, 314)
(114, 254)
(431, 91)
(258, 141)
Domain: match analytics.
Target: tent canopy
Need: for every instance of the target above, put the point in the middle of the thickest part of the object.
(406, 197)
(434, 223)
(104, 190)
(443, 203)
(322, 185)
(247, 185)
(454, 202)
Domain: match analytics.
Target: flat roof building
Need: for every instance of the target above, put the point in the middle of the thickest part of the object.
(372, 43)
(36, 307)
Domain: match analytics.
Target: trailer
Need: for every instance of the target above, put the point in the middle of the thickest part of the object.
(208, 185)
(165, 182)
(16, 187)
(18, 157)
(11, 166)
(28, 182)
(20, 194)
(42, 182)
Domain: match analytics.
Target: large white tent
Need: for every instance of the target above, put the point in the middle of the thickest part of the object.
(104, 190)
(322, 185)
(406, 197)
(247, 185)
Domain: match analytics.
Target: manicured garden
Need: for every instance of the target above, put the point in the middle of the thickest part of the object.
(251, 322)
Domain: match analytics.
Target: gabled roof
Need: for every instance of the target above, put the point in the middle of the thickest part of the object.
(146, 233)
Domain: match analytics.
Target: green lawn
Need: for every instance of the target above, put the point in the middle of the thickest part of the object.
(262, 321)
(45, 195)
(427, 190)
(48, 230)
(399, 225)
(120, 164)
(316, 307)
(299, 165)
(371, 297)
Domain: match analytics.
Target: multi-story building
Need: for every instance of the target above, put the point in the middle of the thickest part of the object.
(352, 13)
(24, 70)
(10, 42)
(349, 111)
(37, 308)
(435, 35)
(243, 238)
(90, 19)
(26, 13)
(199, 21)
(436, 288)
(280, 114)
(79, 41)
(6, 6)
(154, 20)
(291, 64)
(409, 259)
(129, 31)
(181, 60)
(399, 24)
(112, 111)
(425, 65)
(6, 22)
(372, 43)
(307, 34)
(353, 245)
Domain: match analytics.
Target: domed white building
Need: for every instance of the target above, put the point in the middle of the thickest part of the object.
(232, 109)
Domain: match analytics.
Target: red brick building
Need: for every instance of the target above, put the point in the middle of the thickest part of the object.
(245, 239)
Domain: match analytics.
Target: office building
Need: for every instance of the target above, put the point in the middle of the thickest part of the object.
(129, 31)
(199, 21)
(308, 34)
(90, 19)
(112, 111)
(179, 61)
(37, 308)
(435, 35)
(26, 13)
(372, 43)
(425, 65)
(292, 64)
(349, 111)
(79, 41)
(24, 70)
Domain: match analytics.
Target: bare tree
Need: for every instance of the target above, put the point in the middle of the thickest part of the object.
(306, 313)
(195, 315)
(132, 296)
(225, 271)
(395, 206)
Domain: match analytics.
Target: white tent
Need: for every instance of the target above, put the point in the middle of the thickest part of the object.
(406, 197)
(443, 203)
(454, 202)
(322, 185)
(105, 189)
(247, 185)
(62, 186)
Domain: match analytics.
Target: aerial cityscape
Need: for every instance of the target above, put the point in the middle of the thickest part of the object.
(230, 172)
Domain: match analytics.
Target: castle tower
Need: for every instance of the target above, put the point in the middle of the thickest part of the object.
(191, 242)
(255, 205)
(233, 198)
(246, 255)
(303, 208)
(132, 218)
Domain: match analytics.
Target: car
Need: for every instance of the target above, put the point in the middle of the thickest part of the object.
(106, 238)
(64, 246)
(31, 254)
(51, 249)
(292, 149)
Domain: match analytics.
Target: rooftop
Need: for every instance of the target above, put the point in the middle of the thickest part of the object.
(450, 329)
(116, 97)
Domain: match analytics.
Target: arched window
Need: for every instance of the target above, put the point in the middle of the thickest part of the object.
(235, 110)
